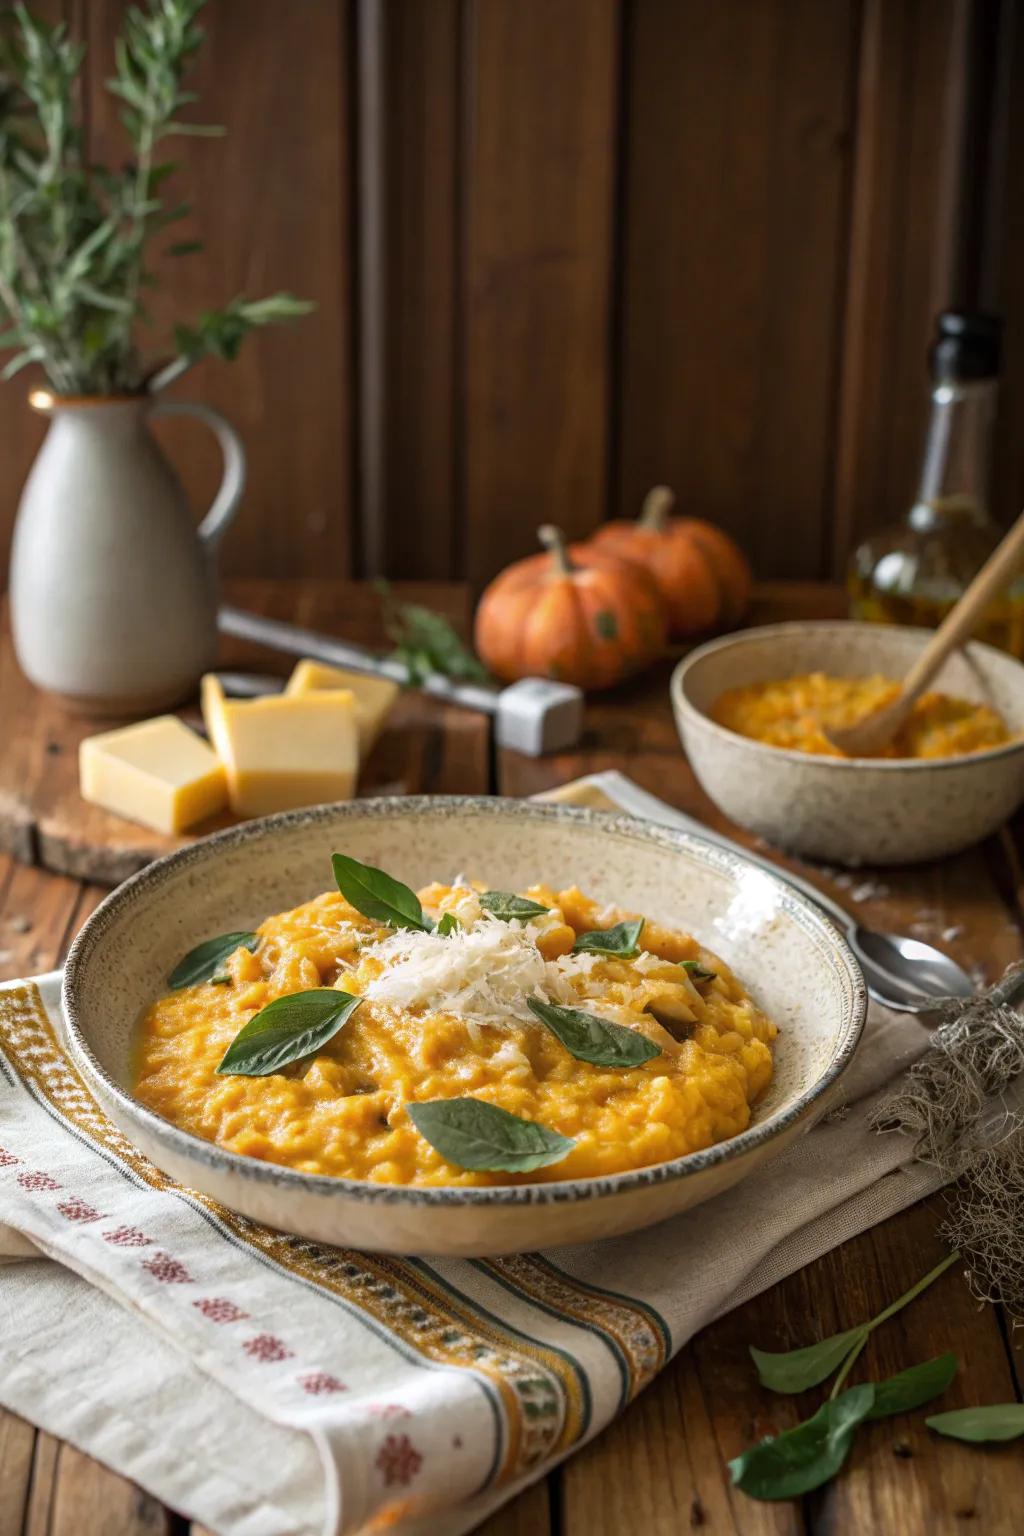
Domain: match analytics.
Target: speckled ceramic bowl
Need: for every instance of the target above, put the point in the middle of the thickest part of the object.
(857, 810)
(793, 961)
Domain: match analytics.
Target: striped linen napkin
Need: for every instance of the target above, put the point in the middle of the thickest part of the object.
(269, 1386)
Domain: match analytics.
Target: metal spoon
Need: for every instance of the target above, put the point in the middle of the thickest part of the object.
(900, 972)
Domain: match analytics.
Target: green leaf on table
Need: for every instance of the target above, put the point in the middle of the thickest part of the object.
(592, 1039)
(807, 1455)
(696, 971)
(426, 643)
(510, 907)
(376, 895)
(448, 925)
(206, 961)
(481, 1137)
(798, 1369)
(989, 1422)
(620, 940)
(912, 1387)
(286, 1030)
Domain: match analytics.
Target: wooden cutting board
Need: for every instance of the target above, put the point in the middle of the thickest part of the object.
(44, 820)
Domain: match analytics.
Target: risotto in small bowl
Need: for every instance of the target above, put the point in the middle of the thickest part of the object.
(752, 711)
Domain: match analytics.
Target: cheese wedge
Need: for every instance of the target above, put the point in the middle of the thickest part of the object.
(374, 695)
(158, 773)
(283, 751)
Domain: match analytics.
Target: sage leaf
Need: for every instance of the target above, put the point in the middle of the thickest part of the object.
(589, 1038)
(989, 1422)
(914, 1386)
(206, 961)
(509, 907)
(448, 925)
(426, 643)
(696, 971)
(798, 1369)
(619, 940)
(807, 1455)
(376, 895)
(286, 1030)
(481, 1137)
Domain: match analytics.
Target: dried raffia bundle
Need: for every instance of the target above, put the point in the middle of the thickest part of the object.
(964, 1103)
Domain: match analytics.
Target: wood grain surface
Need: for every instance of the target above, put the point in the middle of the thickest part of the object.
(660, 1468)
(734, 250)
(563, 249)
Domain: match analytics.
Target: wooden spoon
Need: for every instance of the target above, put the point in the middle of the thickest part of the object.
(869, 735)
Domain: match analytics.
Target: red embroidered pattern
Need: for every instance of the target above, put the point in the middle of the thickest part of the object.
(316, 1383)
(388, 1411)
(398, 1460)
(78, 1210)
(128, 1237)
(168, 1270)
(8, 1159)
(219, 1310)
(266, 1348)
(37, 1181)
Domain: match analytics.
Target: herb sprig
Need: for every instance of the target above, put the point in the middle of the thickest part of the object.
(511, 908)
(593, 1039)
(480, 1137)
(286, 1030)
(378, 895)
(75, 238)
(206, 961)
(426, 643)
(621, 941)
(810, 1453)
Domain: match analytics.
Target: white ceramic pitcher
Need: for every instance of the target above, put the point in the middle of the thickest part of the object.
(113, 589)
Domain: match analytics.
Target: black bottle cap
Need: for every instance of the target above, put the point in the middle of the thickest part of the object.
(966, 347)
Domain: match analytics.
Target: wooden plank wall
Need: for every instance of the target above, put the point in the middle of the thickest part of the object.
(563, 249)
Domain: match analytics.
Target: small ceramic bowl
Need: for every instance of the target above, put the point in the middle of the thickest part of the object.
(851, 810)
(800, 972)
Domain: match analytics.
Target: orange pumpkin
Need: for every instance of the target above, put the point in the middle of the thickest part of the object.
(701, 573)
(580, 615)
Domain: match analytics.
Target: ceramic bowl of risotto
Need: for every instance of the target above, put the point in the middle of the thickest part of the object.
(893, 810)
(507, 1060)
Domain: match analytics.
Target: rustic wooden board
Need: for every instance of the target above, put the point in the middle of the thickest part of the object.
(44, 820)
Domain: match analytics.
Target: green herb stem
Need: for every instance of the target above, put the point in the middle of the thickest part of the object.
(890, 1311)
(847, 1367)
(915, 1290)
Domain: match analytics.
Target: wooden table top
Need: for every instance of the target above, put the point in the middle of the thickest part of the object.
(661, 1467)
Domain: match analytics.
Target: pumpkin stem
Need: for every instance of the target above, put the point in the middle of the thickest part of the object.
(658, 503)
(553, 539)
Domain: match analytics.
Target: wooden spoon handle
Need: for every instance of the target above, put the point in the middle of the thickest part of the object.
(962, 619)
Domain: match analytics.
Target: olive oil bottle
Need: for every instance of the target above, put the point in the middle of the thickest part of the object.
(914, 571)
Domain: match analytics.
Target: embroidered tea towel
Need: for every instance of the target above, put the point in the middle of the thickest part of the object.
(269, 1386)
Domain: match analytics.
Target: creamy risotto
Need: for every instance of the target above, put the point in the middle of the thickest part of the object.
(487, 1000)
(792, 711)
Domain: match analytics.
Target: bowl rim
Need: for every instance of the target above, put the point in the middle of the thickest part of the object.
(197, 1149)
(685, 706)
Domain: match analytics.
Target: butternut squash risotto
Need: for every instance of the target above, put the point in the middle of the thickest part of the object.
(467, 1051)
(792, 711)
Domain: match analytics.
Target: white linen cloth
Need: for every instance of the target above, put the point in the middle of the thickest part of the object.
(267, 1386)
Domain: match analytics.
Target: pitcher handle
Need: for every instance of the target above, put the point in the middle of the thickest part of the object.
(225, 504)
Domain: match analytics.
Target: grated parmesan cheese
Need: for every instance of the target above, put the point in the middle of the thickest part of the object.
(484, 973)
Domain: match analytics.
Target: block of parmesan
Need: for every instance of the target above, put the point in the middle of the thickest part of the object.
(374, 696)
(283, 751)
(157, 772)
